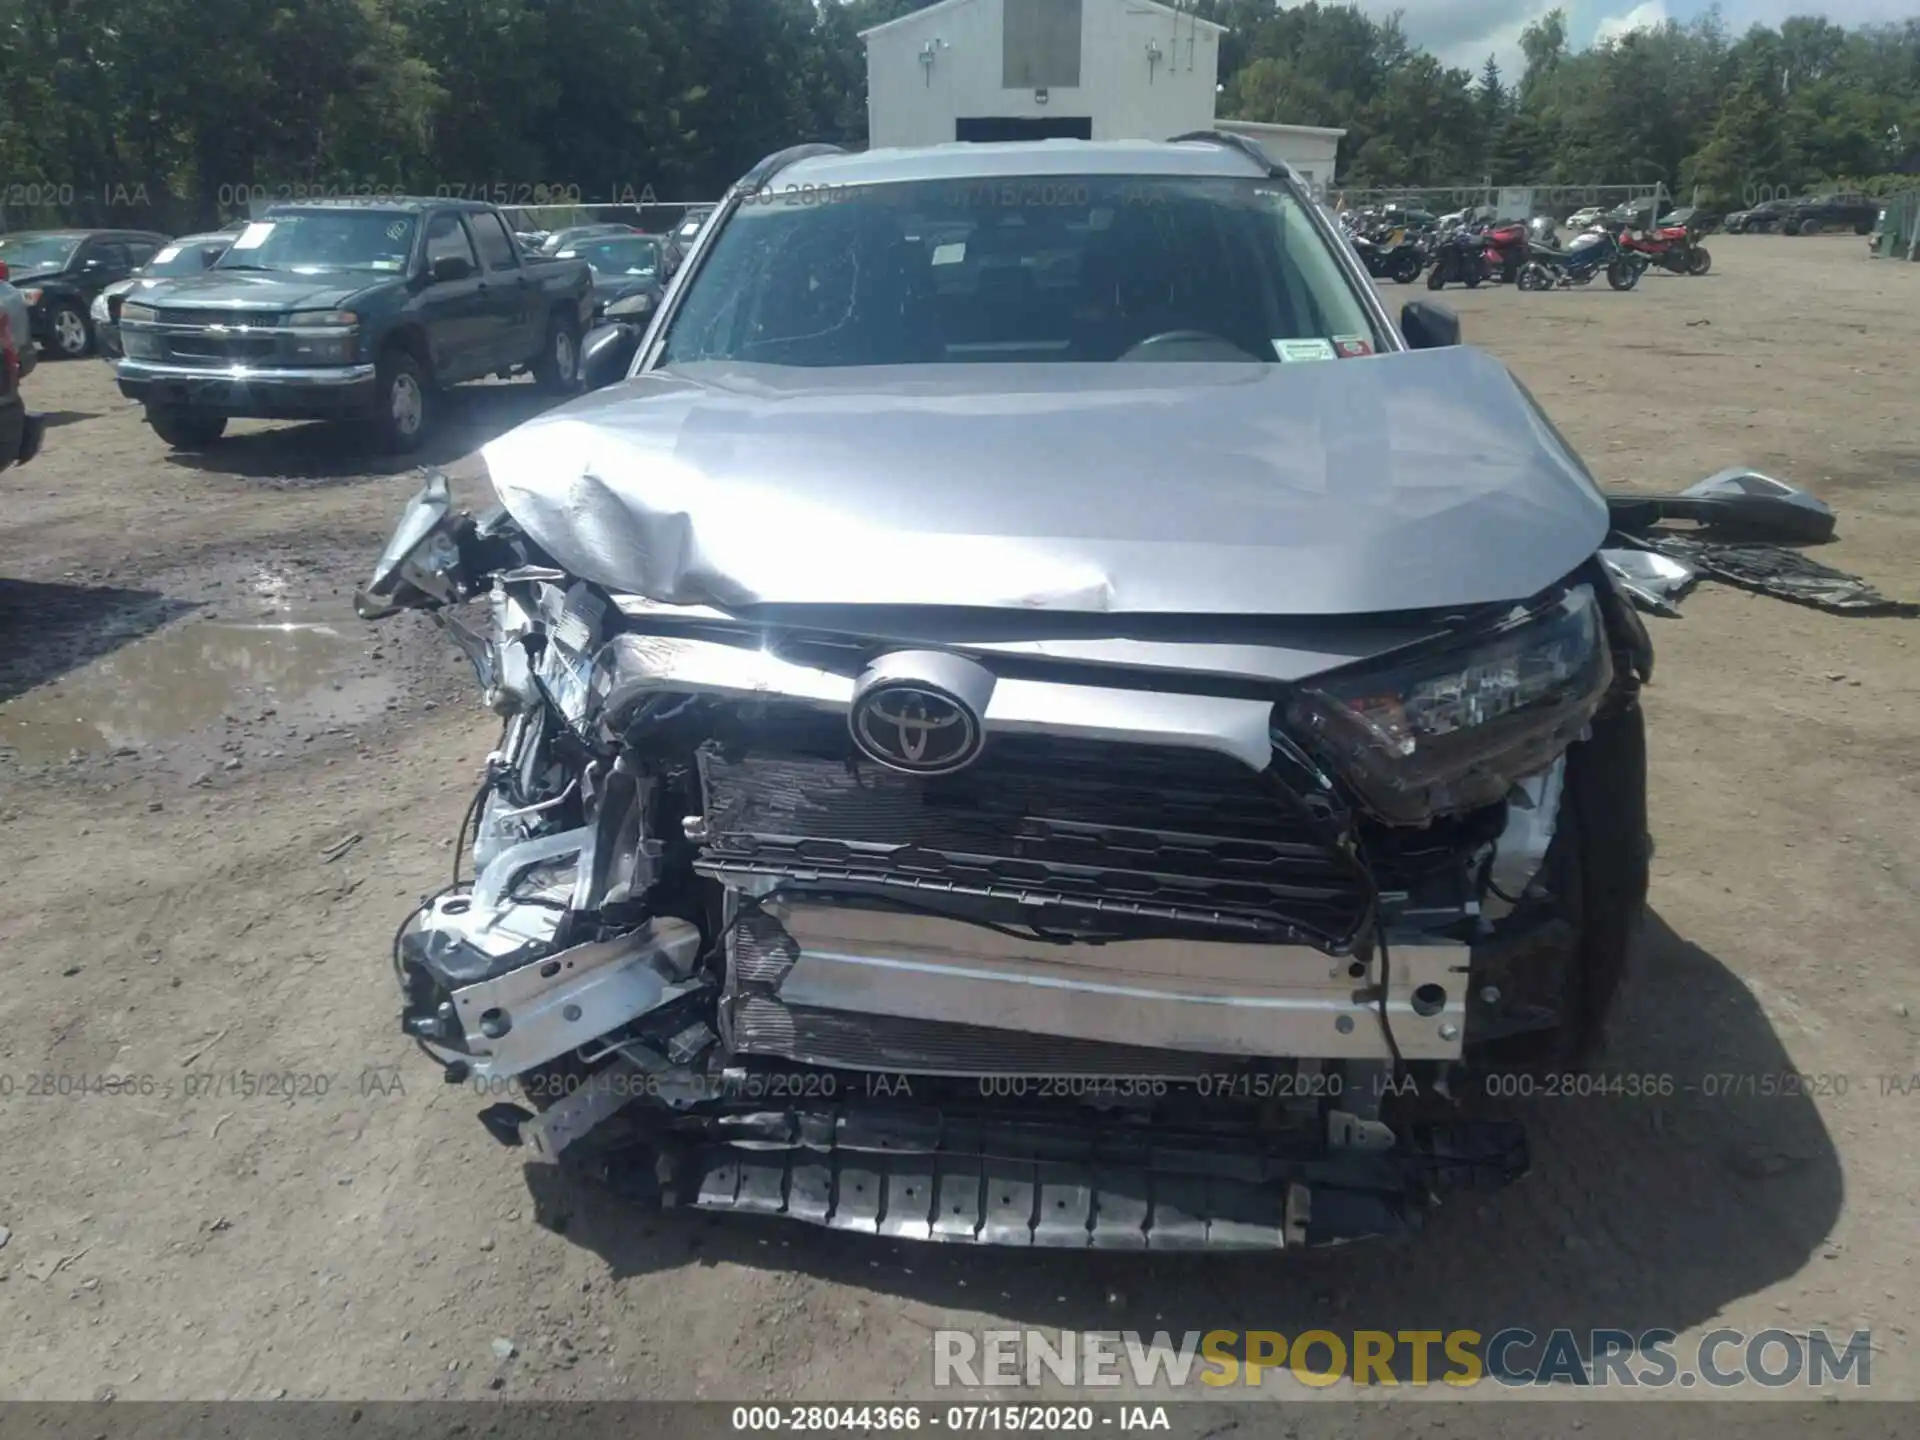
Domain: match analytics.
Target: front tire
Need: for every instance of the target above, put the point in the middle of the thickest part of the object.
(557, 371)
(1623, 274)
(72, 332)
(400, 414)
(186, 429)
(1406, 268)
(1437, 277)
(1699, 262)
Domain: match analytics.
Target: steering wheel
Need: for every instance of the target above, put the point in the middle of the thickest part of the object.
(1204, 340)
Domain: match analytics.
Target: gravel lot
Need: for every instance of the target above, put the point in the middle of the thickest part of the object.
(176, 764)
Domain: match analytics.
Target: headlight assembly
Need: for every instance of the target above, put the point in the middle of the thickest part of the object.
(136, 314)
(1450, 728)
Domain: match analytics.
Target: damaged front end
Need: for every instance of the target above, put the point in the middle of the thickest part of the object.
(951, 943)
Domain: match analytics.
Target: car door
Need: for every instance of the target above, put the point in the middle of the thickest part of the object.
(452, 310)
(98, 263)
(513, 317)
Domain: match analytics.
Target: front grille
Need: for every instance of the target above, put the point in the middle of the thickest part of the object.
(1125, 830)
(253, 319)
(220, 349)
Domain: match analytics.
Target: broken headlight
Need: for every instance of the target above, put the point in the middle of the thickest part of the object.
(1451, 728)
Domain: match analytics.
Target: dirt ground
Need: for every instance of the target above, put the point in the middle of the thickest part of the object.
(192, 724)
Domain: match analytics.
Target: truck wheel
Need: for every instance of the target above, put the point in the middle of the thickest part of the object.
(72, 335)
(557, 370)
(400, 409)
(186, 429)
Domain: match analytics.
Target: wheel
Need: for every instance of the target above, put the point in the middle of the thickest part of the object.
(1623, 274)
(1790, 227)
(557, 371)
(400, 414)
(186, 429)
(1865, 227)
(72, 335)
(1437, 277)
(1534, 276)
(1595, 877)
(1406, 267)
(1699, 261)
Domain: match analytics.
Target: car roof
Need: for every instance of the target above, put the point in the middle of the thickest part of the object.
(383, 205)
(212, 237)
(967, 160)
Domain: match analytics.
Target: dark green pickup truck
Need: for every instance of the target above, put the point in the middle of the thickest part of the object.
(351, 311)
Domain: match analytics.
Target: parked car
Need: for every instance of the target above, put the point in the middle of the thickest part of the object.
(1831, 212)
(685, 233)
(20, 431)
(334, 310)
(1763, 218)
(1585, 219)
(558, 240)
(13, 305)
(940, 663)
(627, 279)
(189, 255)
(60, 271)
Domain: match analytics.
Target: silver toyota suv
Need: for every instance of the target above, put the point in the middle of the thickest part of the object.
(1033, 714)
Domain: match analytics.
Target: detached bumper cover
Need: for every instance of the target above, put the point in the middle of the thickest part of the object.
(989, 1180)
(318, 392)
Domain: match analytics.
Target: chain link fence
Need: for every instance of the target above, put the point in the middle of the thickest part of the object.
(1495, 202)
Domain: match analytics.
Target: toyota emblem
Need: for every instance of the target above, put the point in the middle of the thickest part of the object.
(916, 729)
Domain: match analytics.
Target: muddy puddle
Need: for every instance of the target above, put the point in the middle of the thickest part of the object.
(197, 675)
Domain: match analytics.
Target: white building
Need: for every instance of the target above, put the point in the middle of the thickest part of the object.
(1059, 69)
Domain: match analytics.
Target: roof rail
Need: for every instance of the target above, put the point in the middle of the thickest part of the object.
(1234, 142)
(760, 174)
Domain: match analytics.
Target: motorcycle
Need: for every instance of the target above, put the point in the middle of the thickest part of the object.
(1507, 249)
(1671, 247)
(1590, 254)
(1390, 255)
(1460, 255)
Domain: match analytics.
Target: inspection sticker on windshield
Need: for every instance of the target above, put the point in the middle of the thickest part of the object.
(1349, 347)
(165, 255)
(254, 236)
(1290, 350)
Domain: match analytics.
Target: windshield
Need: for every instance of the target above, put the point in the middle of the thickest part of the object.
(1069, 268)
(314, 240)
(617, 257)
(184, 258)
(27, 253)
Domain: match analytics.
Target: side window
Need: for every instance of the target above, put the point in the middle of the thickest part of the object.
(496, 245)
(140, 252)
(447, 240)
(110, 255)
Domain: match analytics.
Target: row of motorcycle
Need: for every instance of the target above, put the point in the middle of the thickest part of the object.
(1528, 256)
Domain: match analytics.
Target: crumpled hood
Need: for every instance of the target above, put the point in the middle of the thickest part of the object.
(1396, 482)
(280, 290)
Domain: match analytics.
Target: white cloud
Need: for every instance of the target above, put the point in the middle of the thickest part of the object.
(1646, 16)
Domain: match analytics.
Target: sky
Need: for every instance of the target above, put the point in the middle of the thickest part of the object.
(1465, 32)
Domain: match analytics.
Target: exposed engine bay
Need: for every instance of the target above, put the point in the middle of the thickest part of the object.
(941, 942)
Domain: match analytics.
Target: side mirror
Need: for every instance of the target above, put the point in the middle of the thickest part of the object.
(606, 353)
(451, 267)
(1429, 325)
